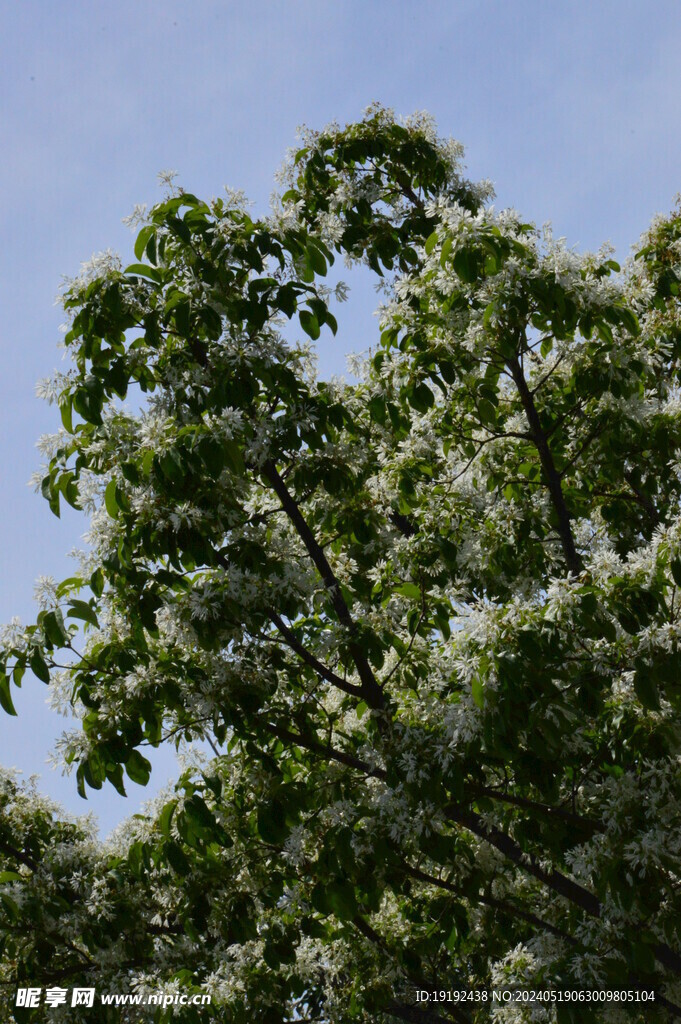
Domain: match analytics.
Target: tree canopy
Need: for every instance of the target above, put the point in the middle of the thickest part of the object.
(428, 619)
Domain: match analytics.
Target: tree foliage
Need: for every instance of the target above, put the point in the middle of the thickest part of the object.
(428, 620)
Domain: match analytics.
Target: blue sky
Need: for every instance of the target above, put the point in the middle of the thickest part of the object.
(571, 108)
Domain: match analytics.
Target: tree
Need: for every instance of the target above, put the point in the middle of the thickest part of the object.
(428, 621)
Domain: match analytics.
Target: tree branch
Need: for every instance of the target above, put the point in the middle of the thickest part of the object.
(371, 691)
(489, 901)
(553, 480)
(23, 858)
(555, 880)
(309, 659)
(282, 733)
(531, 805)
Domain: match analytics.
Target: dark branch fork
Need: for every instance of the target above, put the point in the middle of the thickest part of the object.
(371, 692)
(322, 670)
(553, 479)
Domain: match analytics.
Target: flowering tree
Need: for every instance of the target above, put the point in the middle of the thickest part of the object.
(428, 621)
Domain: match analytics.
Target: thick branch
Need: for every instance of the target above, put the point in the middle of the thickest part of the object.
(309, 659)
(23, 858)
(403, 524)
(555, 880)
(643, 500)
(572, 557)
(531, 805)
(371, 691)
(407, 191)
(636, 498)
(489, 901)
(323, 750)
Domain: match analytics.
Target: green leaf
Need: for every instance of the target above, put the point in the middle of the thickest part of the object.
(272, 823)
(97, 582)
(452, 939)
(179, 228)
(234, 457)
(110, 499)
(466, 265)
(54, 628)
(487, 412)
(342, 900)
(490, 311)
(309, 323)
(630, 321)
(675, 566)
(82, 610)
(7, 877)
(646, 689)
(176, 857)
(431, 242)
(138, 768)
(114, 774)
(421, 397)
(5, 696)
(66, 411)
(546, 346)
(166, 817)
(317, 260)
(410, 590)
(68, 586)
(142, 270)
(142, 239)
(377, 408)
(136, 859)
(122, 500)
(38, 666)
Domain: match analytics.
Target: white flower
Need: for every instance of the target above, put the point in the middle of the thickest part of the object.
(167, 178)
(45, 591)
(138, 216)
(100, 264)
